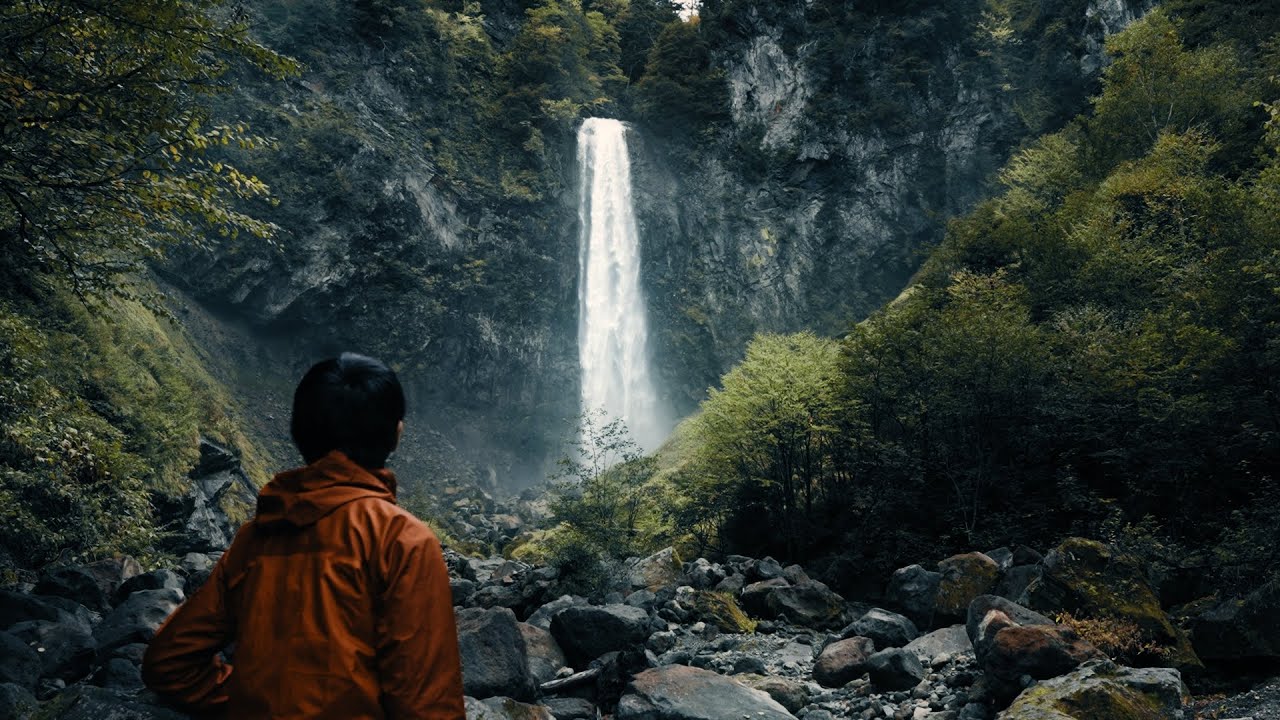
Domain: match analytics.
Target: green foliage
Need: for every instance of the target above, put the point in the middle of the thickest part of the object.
(106, 158)
(599, 490)
(682, 89)
(1091, 350)
(96, 415)
(764, 443)
(722, 610)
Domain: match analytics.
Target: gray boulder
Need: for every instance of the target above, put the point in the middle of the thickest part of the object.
(659, 570)
(1237, 629)
(810, 604)
(494, 656)
(704, 574)
(895, 669)
(541, 618)
(680, 692)
(504, 708)
(154, 580)
(585, 632)
(570, 708)
(19, 664)
(843, 661)
(950, 642)
(17, 702)
(914, 590)
(74, 583)
(136, 619)
(66, 648)
(544, 656)
(755, 597)
(887, 629)
(86, 702)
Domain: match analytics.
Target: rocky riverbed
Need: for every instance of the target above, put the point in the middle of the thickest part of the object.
(976, 637)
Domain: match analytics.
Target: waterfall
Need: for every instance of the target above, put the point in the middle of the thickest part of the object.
(612, 328)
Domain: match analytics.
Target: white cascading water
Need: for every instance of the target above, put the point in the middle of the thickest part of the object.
(612, 328)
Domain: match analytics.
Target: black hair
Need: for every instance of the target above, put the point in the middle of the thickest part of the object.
(350, 403)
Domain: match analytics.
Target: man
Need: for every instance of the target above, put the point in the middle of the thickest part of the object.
(335, 599)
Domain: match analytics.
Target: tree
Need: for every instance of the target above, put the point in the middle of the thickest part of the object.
(765, 439)
(598, 490)
(107, 155)
(682, 89)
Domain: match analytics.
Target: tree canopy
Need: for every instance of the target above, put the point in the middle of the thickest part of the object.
(107, 152)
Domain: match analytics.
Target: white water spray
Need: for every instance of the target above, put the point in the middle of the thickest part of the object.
(612, 328)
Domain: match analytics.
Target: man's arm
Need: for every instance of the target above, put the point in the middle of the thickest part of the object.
(182, 662)
(419, 669)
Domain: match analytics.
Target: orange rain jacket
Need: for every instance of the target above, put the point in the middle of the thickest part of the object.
(338, 605)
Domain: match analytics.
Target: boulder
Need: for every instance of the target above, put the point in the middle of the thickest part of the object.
(541, 618)
(504, 708)
(16, 607)
(963, 578)
(154, 580)
(755, 597)
(1014, 645)
(136, 619)
(1101, 690)
(703, 574)
(1015, 581)
(843, 661)
(790, 694)
(979, 630)
(766, 569)
(1242, 628)
(67, 649)
(461, 590)
(680, 692)
(19, 664)
(659, 570)
(544, 656)
(1090, 579)
(17, 702)
(809, 604)
(895, 669)
(494, 656)
(74, 583)
(914, 591)
(1039, 652)
(86, 702)
(120, 674)
(570, 708)
(1002, 556)
(887, 629)
(585, 632)
(950, 642)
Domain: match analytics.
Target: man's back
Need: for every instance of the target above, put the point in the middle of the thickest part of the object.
(337, 601)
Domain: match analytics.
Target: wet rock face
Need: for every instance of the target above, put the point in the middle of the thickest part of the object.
(199, 520)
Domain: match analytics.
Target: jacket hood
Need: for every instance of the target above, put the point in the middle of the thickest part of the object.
(302, 496)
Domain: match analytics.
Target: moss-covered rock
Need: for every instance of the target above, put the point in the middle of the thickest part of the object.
(964, 577)
(1102, 690)
(1090, 579)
